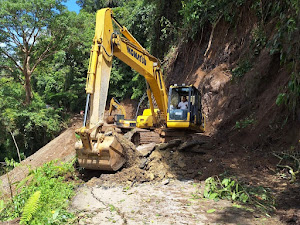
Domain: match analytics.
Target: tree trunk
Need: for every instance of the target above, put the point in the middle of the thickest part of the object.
(27, 86)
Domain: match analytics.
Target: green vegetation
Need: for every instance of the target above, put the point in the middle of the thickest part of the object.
(241, 124)
(203, 13)
(242, 68)
(289, 161)
(30, 207)
(259, 40)
(43, 196)
(285, 43)
(229, 188)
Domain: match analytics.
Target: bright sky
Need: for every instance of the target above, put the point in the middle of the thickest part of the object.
(72, 6)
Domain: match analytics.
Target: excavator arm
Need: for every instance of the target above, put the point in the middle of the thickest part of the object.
(107, 44)
(97, 151)
(115, 103)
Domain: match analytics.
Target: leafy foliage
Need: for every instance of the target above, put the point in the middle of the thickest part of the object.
(197, 14)
(259, 40)
(231, 189)
(57, 85)
(33, 125)
(31, 31)
(286, 44)
(92, 6)
(30, 207)
(289, 161)
(241, 124)
(58, 80)
(164, 25)
(228, 188)
(242, 68)
(49, 181)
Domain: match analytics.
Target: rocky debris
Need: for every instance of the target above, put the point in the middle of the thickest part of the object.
(171, 144)
(129, 134)
(165, 182)
(189, 144)
(146, 149)
(143, 163)
(125, 142)
(109, 133)
(158, 163)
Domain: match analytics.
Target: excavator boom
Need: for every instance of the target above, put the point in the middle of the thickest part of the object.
(97, 150)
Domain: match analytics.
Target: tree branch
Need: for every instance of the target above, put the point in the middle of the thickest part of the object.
(34, 27)
(13, 37)
(11, 75)
(6, 67)
(12, 59)
(43, 56)
(34, 40)
(212, 35)
(30, 35)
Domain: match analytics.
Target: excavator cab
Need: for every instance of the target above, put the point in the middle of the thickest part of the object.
(184, 108)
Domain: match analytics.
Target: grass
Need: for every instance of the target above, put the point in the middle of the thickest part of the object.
(55, 192)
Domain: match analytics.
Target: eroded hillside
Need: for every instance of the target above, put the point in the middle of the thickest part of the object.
(240, 79)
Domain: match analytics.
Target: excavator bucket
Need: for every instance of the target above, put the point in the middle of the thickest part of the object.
(106, 154)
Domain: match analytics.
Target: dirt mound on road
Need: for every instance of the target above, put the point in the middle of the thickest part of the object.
(164, 162)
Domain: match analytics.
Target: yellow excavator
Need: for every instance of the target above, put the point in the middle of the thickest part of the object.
(120, 120)
(180, 109)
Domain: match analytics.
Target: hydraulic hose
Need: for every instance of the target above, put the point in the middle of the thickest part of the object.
(86, 109)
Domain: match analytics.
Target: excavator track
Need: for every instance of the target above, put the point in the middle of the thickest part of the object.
(140, 136)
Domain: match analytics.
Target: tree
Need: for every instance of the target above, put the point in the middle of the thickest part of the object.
(92, 6)
(61, 78)
(31, 31)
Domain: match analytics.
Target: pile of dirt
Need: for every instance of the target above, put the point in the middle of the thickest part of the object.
(173, 160)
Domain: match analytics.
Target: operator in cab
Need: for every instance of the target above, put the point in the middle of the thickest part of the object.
(183, 104)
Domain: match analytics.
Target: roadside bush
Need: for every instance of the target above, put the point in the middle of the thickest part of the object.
(43, 196)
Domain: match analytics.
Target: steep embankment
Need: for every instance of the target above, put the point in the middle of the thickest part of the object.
(60, 148)
(240, 80)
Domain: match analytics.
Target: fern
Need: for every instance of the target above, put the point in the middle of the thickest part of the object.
(2, 206)
(30, 207)
(24, 181)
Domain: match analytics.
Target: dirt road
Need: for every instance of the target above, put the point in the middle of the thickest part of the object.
(166, 202)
